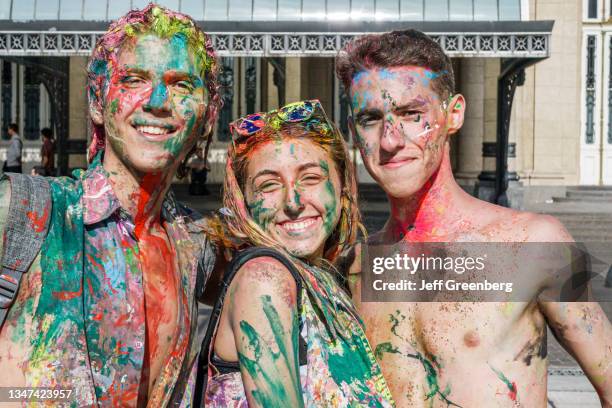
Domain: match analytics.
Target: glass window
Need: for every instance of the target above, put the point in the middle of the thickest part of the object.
(461, 10)
(387, 10)
(195, 8)
(46, 10)
(264, 10)
(71, 9)
(5, 9)
(117, 8)
(485, 10)
(411, 10)
(436, 10)
(94, 10)
(139, 4)
(289, 10)
(509, 9)
(338, 9)
(240, 10)
(592, 8)
(171, 4)
(23, 10)
(215, 10)
(314, 10)
(362, 9)
(590, 90)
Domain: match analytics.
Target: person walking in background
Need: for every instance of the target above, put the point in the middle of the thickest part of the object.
(199, 173)
(13, 155)
(47, 152)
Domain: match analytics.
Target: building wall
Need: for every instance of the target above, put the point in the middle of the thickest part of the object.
(546, 113)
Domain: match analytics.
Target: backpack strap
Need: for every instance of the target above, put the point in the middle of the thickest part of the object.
(239, 259)
(25, 229)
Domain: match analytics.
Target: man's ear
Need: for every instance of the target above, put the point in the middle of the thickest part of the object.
(96, 112)
(456, 114)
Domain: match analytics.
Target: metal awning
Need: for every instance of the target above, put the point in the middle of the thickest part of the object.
(272, 10)
(499, 39)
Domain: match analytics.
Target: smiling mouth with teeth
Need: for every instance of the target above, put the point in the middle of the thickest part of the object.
(149, 130)
(298, 226)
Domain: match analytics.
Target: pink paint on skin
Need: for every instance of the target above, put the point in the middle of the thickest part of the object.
(398, 116)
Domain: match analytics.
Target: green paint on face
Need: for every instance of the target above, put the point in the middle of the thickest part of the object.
(330, 207)
(260, 214)
(114, 106)
(267, 366)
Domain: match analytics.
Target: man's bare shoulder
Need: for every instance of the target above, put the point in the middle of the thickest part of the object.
(501, 224)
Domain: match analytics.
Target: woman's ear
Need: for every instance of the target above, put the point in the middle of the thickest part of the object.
(456, 114)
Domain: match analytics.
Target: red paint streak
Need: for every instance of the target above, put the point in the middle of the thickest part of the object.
(122, 320)
(90, 287)
(67, 295)
(118, 350)
(157, 258)
(60, 264)
(38, 222)
(512, 392)
(98, 316)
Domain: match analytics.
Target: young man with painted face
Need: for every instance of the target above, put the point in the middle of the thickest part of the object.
(404, 110)
(108, 307)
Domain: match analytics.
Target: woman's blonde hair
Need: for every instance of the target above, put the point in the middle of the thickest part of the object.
(238, 228)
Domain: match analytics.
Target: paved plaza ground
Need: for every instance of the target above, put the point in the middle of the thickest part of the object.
(587, 221)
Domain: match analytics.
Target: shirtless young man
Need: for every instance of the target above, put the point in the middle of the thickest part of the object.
(108, 309)
(404, 111)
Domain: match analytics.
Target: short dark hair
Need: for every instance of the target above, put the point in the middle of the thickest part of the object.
(14, 127)
(396, 49)
(46, 132)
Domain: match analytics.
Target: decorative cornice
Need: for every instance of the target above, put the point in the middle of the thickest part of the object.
(267, 44)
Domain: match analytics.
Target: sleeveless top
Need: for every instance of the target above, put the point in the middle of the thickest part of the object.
(337, 365)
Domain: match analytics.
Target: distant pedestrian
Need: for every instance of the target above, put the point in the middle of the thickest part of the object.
(47, 152)
(13, 155)
(199, 173)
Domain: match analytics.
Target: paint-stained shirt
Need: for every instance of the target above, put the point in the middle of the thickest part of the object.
(79, 319)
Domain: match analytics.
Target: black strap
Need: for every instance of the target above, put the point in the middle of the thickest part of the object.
(24, 232)
(237, 262)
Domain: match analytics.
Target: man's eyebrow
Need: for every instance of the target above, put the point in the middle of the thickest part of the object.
(181, 74)
(368, 112)
(134, 70)
(412, 104)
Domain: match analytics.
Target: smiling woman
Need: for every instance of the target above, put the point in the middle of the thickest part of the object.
(288, 334)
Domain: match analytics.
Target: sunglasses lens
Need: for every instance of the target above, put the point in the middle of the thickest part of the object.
(251, 124)
(296, 112)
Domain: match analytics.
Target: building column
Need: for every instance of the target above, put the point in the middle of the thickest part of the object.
(485, 189)
(469, 140)
(78, 137)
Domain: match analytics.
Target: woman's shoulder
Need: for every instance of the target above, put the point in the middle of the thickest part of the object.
(264, 273)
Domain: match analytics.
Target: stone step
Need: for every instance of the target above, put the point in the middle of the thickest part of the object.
(589, 188)
(589, 193)
(582, 198)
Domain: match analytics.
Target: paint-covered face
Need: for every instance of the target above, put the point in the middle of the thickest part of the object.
(292, 190)
(400, 126)
(156, 102)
